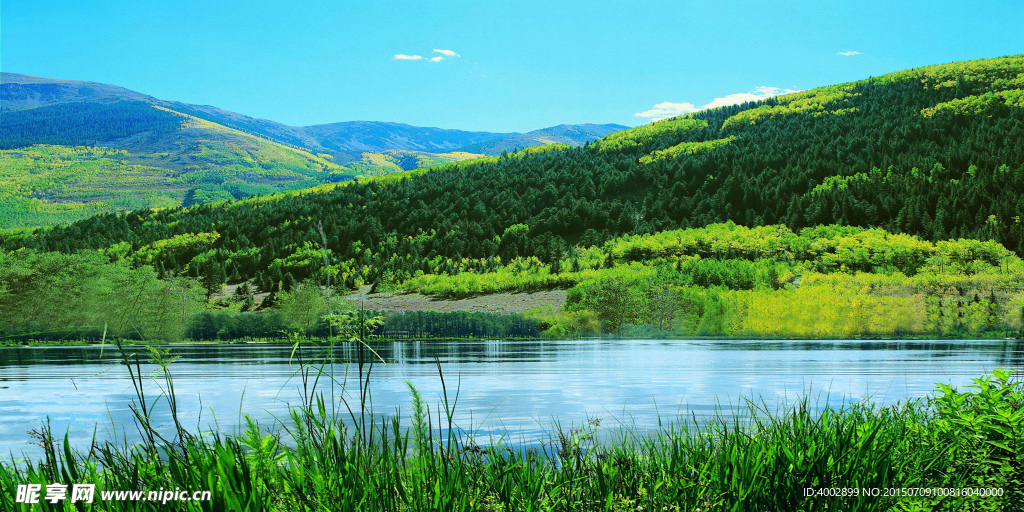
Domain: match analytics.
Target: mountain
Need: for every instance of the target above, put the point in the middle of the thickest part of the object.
(24, 91)
(933, 152)
(571, 134)
(377, 136)
(88, 158)
(159, 153)
(349, 139)
(71, 149)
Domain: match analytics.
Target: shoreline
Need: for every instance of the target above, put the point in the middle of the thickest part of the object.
(923, 337)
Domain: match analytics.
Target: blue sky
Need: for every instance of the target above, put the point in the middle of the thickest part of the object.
(516, 66)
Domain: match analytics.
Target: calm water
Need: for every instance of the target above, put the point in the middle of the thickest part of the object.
(503, 386)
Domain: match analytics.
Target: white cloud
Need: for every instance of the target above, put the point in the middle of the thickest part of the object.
(668, 109)
(436, 58)
(847, 54)
(759, 93)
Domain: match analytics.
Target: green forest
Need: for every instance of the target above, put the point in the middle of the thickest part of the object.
(884, 207)
(722, 280)
(82, 124)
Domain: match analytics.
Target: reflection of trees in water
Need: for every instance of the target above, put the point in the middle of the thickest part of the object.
(467, 352)
(31, 356)
(1003, 353)
(1012, 357)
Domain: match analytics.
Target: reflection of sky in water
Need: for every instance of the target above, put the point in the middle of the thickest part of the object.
(518, 387)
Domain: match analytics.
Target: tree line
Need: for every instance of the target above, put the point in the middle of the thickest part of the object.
(82, 124)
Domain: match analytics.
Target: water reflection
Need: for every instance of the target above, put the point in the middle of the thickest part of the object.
(514, 386)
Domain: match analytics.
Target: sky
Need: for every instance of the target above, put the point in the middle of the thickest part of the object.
(493, 66)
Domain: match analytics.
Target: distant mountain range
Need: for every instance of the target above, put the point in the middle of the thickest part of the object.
(571, 134)
(352, 137)
(168, 153)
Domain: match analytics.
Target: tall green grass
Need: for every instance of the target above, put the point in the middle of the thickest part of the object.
(334, 454)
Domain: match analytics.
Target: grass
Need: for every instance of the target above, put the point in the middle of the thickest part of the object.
(339, 455)
(202, 162)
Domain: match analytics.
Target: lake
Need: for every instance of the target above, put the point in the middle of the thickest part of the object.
(516, 387)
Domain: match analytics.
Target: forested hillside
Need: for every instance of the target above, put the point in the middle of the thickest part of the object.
(936, 152)
(84, 124)
(933, 152)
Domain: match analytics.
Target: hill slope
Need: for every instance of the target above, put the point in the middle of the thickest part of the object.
(933, 151)
(91, 161)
